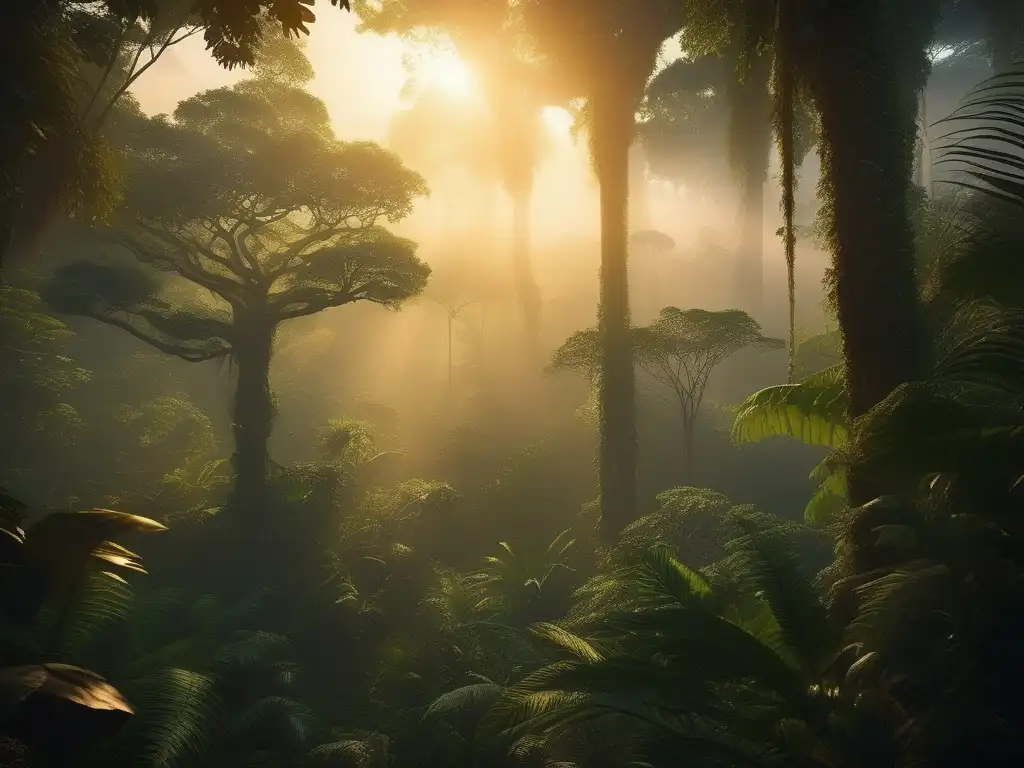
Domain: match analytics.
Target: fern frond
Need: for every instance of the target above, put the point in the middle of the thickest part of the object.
(578, 646)
(473, 699)
(274, 717)
(177, 714)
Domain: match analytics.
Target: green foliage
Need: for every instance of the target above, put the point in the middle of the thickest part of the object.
(40, 378)
(302, 219)
(813, 411)
(516, 587)
(348, 442)
(683, 657)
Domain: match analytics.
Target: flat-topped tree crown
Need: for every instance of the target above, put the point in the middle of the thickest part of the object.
(248, 195)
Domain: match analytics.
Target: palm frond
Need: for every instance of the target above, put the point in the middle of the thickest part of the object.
(176, 715)
(346, 753)
(775, 575)
(662, 574)
(578, 646)
(102, 600)
(252, 648)
(989, 149)
(274, 717)
(474, 699)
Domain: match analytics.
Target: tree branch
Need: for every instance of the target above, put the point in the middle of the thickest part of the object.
(189, 354)
(187, 266)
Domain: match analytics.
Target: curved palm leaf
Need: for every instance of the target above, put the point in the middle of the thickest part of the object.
(990, 148)
(813, 411)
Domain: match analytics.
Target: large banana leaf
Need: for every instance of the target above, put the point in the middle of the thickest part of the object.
(813, 411)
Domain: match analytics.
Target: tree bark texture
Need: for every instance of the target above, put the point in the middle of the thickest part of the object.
(866, 96)
(612, 135)
(253, 418)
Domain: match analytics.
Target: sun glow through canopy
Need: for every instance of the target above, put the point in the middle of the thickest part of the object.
(446, 70)
(558, 120)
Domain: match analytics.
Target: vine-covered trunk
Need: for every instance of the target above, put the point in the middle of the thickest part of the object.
(617, 460)
(253, 420)
(526, 283)
(785, 101)
(866, 90)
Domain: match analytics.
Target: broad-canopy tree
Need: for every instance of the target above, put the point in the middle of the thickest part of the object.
(683, 346)
(259, 215)
(679, 351)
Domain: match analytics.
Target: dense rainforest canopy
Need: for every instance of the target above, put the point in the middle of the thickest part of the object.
(646, 392)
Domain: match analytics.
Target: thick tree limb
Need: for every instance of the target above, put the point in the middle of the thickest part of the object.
(189, 354)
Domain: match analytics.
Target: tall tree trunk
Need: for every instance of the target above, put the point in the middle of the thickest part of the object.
(866, 92)
(639, 212)
(611, 138)
(253, 419)
(525, 281)
(785, 104)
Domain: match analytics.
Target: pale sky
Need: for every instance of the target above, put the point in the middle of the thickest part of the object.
(359, 104)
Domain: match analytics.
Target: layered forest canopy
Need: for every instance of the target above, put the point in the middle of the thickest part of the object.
(511, 383)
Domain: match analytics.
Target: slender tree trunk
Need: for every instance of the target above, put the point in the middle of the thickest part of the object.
(525, 281)
(785, 88)
(866, 95)
(611, 138)
(253, 420)
(639, 198)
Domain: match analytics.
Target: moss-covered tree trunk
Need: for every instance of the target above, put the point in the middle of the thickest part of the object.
(611, 137)
(866, 92)
(253, 417)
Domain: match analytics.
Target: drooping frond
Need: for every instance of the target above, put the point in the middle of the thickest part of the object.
(176, 714)
(578, 646)
(101, 600)
(774, 573)
(474, 699)
(989, 148)
(813, 411)
(662, 573)
(274, 717)
(252, 649)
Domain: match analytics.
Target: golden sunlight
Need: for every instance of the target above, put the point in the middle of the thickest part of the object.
(557, 119)
(446, 70)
